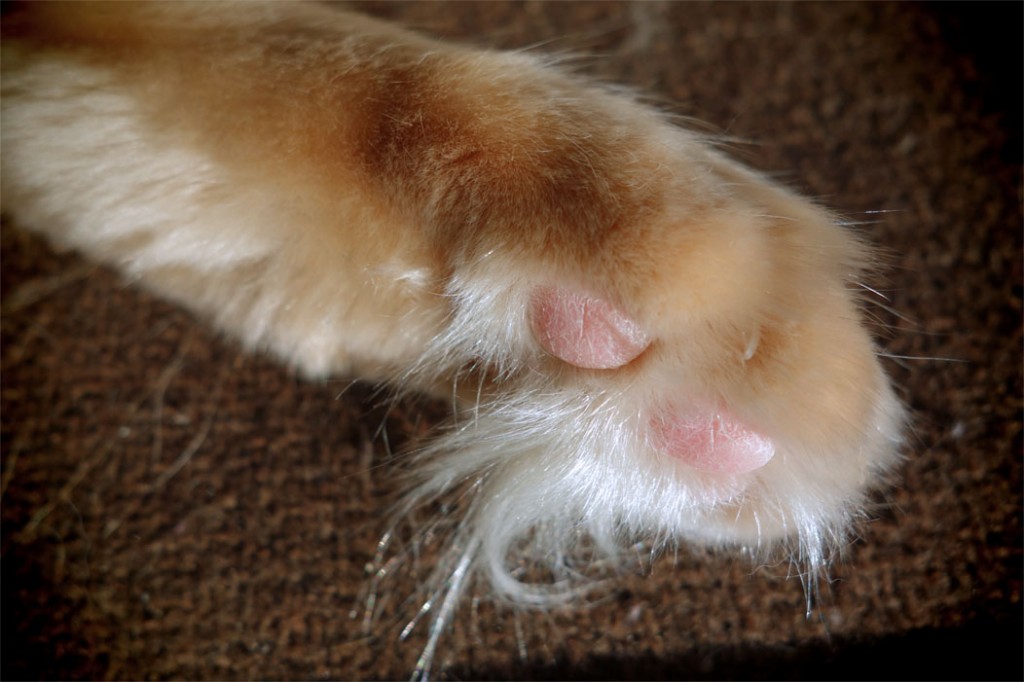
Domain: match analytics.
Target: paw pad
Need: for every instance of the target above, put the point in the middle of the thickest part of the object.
(713, 442)
(583, 330)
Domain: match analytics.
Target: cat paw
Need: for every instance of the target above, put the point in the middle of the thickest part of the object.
(665, 345)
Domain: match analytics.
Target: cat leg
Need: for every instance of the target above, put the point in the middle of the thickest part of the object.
(654, 341)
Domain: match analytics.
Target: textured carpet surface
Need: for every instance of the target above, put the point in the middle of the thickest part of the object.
(176, 508)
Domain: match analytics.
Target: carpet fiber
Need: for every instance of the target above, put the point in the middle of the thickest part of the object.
(175, 508)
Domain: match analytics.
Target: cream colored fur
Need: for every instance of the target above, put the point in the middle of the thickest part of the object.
(361, 201)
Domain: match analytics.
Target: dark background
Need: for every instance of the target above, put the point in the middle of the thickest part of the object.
(251, 561)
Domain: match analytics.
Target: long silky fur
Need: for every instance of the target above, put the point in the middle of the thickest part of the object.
(563, 484)
(549, 481)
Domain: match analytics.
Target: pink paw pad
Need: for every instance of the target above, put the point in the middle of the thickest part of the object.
(591, 333)
(713, 442)
(583, 330)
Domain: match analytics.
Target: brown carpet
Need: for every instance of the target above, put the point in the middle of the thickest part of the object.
(173, 508)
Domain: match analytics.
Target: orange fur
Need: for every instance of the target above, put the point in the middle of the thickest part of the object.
(362, 200)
